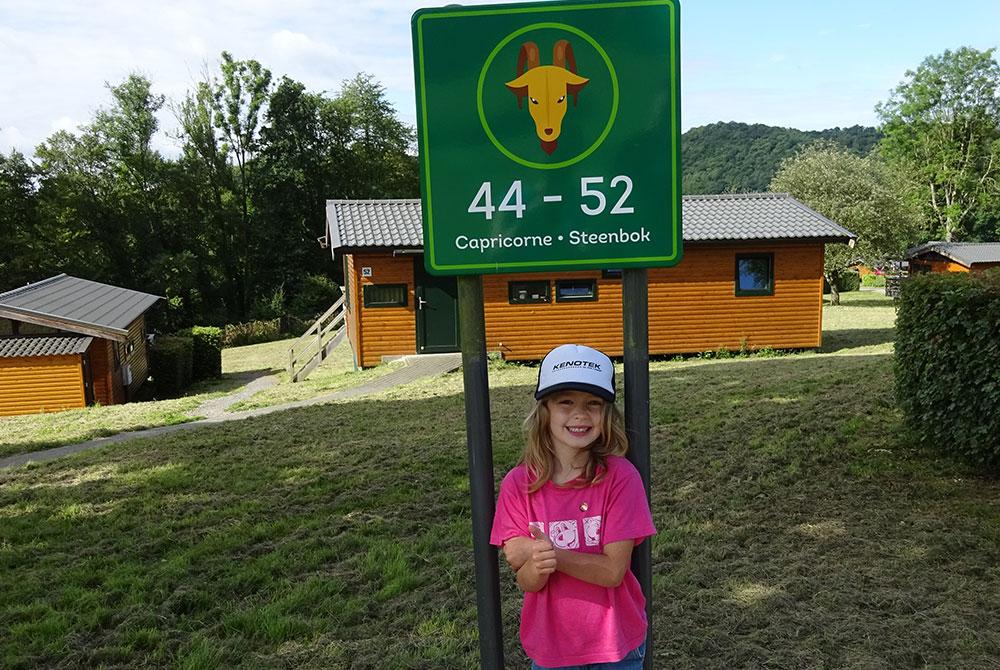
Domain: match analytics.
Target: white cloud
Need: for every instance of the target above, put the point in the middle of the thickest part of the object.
(65, 123)
(11, 138)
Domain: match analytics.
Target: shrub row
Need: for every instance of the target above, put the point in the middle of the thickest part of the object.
(207, 354)
(251, 332)
(170, 364)
(948, 362)
(873, 280)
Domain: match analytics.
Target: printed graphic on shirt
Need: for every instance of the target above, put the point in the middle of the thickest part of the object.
(564, 534)
(540, 525)
(592, 530)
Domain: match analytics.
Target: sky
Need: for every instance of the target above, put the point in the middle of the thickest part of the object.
(793, 63)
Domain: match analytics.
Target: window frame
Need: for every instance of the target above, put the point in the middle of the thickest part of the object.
(529, 301)
(769, 257)
(370, 304)
(589, 298)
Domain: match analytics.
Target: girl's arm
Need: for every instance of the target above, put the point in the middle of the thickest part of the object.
(517, 550)
(607, 569)
(534, 574)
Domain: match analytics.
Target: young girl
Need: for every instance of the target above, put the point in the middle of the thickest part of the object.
(568, 517)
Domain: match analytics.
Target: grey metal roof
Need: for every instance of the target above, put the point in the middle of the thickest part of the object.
(966, 253)
(76, 302)
(59, 345)
(716, 218)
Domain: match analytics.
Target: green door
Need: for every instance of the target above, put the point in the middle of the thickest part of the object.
(437, 311)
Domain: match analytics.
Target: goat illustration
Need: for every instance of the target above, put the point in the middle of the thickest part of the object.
(546, 87)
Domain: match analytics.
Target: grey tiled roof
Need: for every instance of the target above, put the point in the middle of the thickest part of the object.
(965, 253)
(59, 345)
(77, 301)
(755, 216)
(716, 218)
(374, 223)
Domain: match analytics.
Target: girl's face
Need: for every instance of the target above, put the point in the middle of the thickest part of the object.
(575, 418)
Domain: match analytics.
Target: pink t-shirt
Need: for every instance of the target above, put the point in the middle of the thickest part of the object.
(569, 621)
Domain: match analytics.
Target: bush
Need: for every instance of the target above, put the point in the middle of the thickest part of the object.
(265, 309)
(314, 295)
(846, 281)
(171, 364)
(207, 354)
(948, 362)
(251, 332)
(849, 281)
(873, 280)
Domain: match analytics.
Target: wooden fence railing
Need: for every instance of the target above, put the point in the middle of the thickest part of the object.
(316, 343)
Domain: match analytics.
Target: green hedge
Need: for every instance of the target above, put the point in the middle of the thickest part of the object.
(171, 363)
(948, 362)
(207, 353)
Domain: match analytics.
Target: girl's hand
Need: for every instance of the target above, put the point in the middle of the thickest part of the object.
(534, 574)
(543, 553)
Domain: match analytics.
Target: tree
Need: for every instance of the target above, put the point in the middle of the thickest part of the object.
(860, 193)
(238, 100)
(942, 126)
(384, 163)
(21, 238)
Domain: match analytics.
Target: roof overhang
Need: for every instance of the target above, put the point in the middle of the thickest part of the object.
(401, 250)
(40, 319)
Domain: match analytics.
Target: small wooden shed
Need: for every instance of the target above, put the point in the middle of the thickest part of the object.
(752, 275)
(67, 342)
(953, 257)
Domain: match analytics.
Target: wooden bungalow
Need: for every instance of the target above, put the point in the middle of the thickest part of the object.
(67, 342)
(953, 257)
(751, 276)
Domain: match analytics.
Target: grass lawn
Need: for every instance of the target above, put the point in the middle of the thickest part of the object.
(31, 432)
(335, 373)
(797, 529)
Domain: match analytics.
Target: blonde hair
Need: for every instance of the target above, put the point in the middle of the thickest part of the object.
(540, 455)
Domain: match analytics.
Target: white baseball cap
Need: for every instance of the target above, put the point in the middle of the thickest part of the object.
(575, 367)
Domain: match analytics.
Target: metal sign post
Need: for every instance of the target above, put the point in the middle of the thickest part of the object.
(480, 446)
(549, 140)
(635, 322)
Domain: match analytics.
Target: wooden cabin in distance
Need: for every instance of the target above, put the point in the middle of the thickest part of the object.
(67, 343)
(953, 257)
(752, 275)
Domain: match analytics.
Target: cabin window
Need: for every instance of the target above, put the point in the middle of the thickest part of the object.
(611, 274)
(755, 274)
(524, 292)
(385, 295)
(576, 290)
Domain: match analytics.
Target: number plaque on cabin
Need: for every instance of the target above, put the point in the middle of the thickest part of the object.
(549, 135)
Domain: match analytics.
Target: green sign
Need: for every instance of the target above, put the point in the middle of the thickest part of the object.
(549, 135)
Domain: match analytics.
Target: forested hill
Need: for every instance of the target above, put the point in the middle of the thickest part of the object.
(738, 157)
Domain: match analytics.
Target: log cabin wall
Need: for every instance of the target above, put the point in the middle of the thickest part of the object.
(353, 307)
(693, 307)
(937, 266)
(32, 384)
(384, 331)
(529, 331)
(102, 369)
(135, 354)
